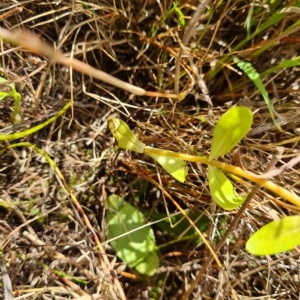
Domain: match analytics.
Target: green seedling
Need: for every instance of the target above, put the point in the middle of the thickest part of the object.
(222, 190)
(229, 130)
(133, 242)
(16, 118)
(18, 135)
(181, 19)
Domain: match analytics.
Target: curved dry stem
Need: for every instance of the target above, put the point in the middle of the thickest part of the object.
(33, 43)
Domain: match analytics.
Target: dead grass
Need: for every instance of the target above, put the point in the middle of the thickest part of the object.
(46, 247)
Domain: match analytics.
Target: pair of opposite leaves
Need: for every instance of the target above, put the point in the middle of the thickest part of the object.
(275, 237)
(229, 130)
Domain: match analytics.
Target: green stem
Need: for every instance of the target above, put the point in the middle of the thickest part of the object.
(278, 190)
(18, 135)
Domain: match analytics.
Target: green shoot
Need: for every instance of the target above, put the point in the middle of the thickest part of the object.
(174, 166)
(270, 239)
(278, 190)
(18, 135)
(16, 118)
(179, 13)
(126, 139)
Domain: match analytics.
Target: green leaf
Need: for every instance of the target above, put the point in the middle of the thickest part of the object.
(114, 202)
(275, 237)
(222, 191)
(4, 95)
(125, 137)
(174, 166)
(255, 77)
(180, 14)
(131, 247)
(288, 63)
(229, 130)
(149, 265)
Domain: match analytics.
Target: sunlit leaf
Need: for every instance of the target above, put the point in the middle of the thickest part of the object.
(174, 166)
(125, 137)
(222, 190)
(149, 265)
(255, 78)
(275, 237)
(131, 247)
(114, 202)
(229, 130)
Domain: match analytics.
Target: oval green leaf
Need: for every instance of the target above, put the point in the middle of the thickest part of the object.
(149, 265)
(131, 247)
(125, 137)
(222, 191)
(229, 130)
(174, 166)
(275, 237)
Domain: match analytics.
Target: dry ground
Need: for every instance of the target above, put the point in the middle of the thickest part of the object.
(47, 250)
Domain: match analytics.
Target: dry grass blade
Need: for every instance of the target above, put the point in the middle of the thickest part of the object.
(31, 42)
(106, 56)
(186, 38)
(8, 291)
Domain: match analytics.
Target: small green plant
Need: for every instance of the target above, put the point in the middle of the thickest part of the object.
(31, 130)
(229, 130)
(16, 118)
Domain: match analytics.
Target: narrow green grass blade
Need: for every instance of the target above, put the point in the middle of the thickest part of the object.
(254, 76)
(288, 63)
(180, 14)
(275, 18)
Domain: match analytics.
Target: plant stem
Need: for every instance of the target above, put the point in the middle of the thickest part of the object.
(278, 190)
